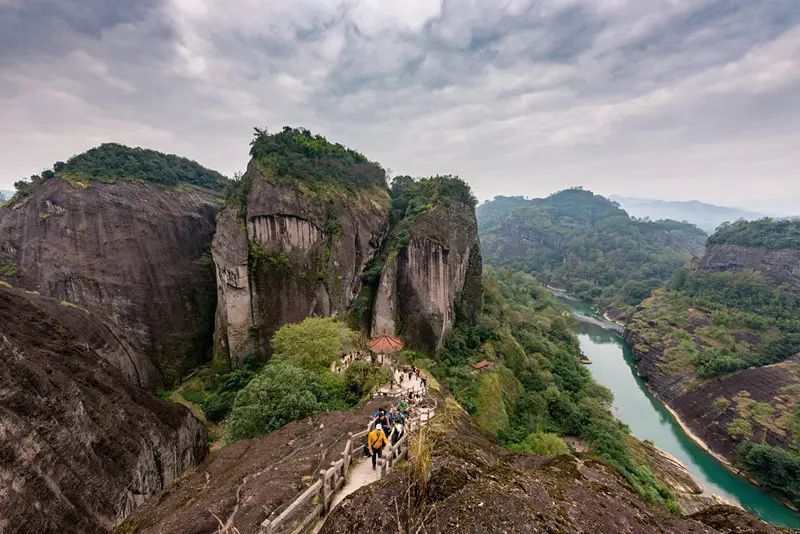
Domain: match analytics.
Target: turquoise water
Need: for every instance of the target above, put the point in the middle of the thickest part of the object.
(613, 366)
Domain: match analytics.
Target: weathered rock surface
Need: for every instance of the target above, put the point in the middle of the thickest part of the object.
(234, 317)
(771, 384)
(130, 252)
(780, 265)
(473, 485)
(259, 475)
(431, 279)
(306, 255)
(80, 447)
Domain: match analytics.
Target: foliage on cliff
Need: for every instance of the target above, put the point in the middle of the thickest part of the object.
(778, 468)
(297, 154)
(410, 198)
(715, 323)
(298, 380)
(110, 162)
(766, 233)
(711, 322)
(586, 244)
(537, 389)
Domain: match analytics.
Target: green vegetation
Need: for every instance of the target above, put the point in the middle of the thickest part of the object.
(314, 343)
(739, 319)
(321, 166)
(543, 443)
(586, 244)
(766, 233)
(218, 404)
(537, 391)
(778, 468)
(740, 428)
(9, 269)
(279, 394)
(298, 381)
(410, 198)
(110, 162)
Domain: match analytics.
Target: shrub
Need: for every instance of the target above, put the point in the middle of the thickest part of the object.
(740, 428)
(9, 269)
(778, 468)
(721, 404)
(543, 443)
(217, 405)
(361, 379)
(193, 395)
(314, 343)
(279, 394)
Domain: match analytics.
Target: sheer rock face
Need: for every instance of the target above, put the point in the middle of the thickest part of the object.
(781, 266)
(300, 255)
(81, 447)
(131, 253)
(432, 278)
(234, 300)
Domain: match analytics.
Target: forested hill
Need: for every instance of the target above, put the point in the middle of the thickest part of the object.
(586, 244)
(720, 345)
(110, 162)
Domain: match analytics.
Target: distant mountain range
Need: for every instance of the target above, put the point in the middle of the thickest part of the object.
(706, 216)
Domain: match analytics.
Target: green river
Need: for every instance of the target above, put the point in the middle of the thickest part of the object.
(613, 366)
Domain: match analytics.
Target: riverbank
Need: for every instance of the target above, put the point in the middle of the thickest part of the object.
(720, 458)
(651, 420)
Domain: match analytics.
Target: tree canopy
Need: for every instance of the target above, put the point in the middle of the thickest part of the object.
(110, 162)
(297, 154)
(586, 244)
(766, 233)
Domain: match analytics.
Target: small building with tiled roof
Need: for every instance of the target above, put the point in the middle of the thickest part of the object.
(482, 365)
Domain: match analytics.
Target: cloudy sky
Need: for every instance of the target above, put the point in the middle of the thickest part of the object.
(671, 99)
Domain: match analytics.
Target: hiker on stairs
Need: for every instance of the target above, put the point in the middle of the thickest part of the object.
(376, 441)
(382, 420)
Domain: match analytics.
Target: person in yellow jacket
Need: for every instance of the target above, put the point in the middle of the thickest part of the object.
(376, 441)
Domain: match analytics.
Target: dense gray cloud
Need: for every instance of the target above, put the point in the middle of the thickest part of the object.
(671, 99)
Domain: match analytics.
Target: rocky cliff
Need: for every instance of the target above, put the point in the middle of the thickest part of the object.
(782, 266)
(134, 252)
(300, 250)
(426, 282)
(314, 231)
(719, 346)
(81, 447)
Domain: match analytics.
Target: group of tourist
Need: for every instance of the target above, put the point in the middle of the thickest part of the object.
(392, 422)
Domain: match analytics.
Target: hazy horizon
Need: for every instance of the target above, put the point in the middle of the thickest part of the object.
(670, 100)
